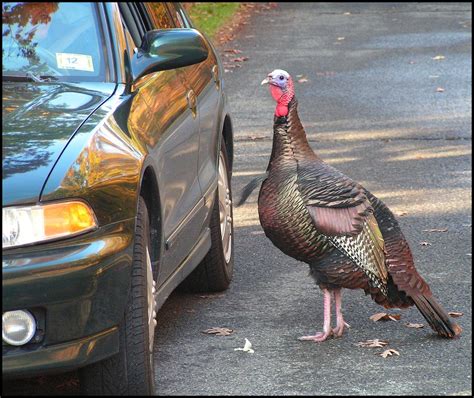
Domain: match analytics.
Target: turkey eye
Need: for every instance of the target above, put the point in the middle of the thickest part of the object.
(281, 77)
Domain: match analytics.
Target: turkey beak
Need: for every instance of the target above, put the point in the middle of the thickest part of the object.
(265, 81)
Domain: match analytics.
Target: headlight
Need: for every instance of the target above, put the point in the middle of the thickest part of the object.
(32, 224)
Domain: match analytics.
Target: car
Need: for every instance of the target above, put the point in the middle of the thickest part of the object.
(117, 166)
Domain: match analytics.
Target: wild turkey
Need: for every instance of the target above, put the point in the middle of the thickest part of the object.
(350, 239)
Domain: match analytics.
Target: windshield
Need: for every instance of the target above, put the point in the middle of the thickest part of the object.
(59, 40)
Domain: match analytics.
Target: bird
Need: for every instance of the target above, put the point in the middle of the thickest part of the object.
(349, 238)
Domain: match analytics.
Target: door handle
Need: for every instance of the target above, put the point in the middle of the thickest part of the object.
(192, 102)
(215, 76)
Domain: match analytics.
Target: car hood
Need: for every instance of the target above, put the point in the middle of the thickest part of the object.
(38, 121)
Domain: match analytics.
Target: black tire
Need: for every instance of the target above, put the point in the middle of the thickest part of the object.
(214, 273)
(131, 371)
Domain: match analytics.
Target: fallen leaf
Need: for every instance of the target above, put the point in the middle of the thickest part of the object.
(436, 230)
(247, 347)
(402, 213)
(347, 13)
(240, 59)
(424, 243)
(256, 138)
(414, 325)
(302, 80)
(388, 353)
(372, 343)
(218, 331)
(455, 314)
(438, 57)
(440, 90)
(383, 316)
(340, 38)
(233, 51)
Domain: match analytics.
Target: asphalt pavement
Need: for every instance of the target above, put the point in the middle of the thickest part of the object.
(385, 96)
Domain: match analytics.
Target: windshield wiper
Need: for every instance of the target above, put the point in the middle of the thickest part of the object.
(29, 77)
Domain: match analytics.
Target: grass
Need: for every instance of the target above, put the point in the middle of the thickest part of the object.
(209, 17)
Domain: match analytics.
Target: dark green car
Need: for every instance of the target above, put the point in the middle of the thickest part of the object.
(117, 159)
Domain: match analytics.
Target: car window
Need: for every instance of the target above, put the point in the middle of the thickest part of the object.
(132, 23)
(160, 16)
(62, 40)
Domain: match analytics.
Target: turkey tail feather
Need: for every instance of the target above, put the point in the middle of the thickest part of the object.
(436, 316)
(249, 188)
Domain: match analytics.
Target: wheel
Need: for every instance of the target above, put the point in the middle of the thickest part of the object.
(215, 271)
(131, 370)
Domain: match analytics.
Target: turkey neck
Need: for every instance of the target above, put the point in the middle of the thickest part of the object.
(290, 143)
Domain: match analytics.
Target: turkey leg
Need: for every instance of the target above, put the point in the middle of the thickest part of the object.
(327, 331)
(340, 325)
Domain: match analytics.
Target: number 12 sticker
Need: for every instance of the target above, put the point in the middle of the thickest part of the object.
(75, 61)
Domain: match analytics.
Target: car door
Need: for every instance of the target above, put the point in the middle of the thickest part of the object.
(172, 139)
(202, 78)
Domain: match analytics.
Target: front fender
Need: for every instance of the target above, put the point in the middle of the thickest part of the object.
(101, 165)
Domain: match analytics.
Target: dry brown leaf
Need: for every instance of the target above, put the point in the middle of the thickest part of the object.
(424, 243)
(372, 343)
(218, 331)
(455, 314)
(383, 316)
(302, 80)
(438, 57)
(436, 230)
(402, 213)
(240, 59)
(414, 325)
(388, 353)
(233, 51)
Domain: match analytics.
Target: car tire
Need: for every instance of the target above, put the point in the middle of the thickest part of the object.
(131, 370)
(215, 271)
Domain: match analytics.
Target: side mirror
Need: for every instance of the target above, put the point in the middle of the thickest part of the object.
(168, 49)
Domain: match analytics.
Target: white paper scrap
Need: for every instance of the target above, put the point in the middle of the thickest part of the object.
(247, 347)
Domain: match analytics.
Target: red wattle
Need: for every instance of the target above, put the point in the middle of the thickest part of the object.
(276, 92)
(281, 110)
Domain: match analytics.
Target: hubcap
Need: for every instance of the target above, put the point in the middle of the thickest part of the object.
(225, 209)
(151, 289)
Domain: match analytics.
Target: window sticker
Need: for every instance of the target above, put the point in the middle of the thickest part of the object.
(75, 61)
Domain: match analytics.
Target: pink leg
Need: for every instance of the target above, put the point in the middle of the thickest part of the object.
(340, 325)
(327, 331)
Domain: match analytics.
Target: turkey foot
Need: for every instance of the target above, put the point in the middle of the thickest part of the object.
(318, 337)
